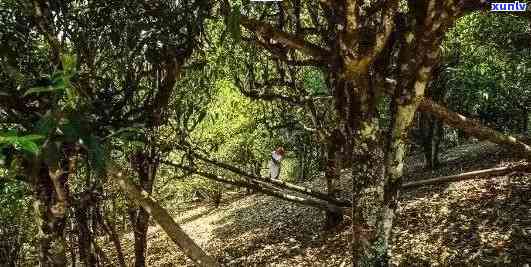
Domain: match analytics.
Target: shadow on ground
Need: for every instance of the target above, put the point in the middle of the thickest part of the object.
(269, 231)
(477, 222)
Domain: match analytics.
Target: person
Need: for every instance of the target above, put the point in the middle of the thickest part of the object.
(274, 164)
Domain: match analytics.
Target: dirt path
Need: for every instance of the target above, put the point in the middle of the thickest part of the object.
(476, 222)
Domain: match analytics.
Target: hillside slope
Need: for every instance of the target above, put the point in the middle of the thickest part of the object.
(475, 222)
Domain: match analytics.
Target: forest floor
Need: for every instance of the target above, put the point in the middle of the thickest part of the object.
(474, 222)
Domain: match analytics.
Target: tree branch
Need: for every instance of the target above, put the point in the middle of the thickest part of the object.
(473, 127)
(271, 97)
(267, 31)
(161, 216)
(279, 183)
(255, 186)
(469, 175)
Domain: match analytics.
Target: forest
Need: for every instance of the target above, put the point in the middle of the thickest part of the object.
(264, 133)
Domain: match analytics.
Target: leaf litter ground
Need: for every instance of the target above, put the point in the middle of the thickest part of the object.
(474, 222)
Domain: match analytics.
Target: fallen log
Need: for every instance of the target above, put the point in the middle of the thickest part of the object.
(468, 175)
(317, 203)
(473, 127)
(278, 183)
(161, 216)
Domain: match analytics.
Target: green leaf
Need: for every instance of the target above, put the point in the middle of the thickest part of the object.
(233, 24)
(28, 146)
(58, 75)
(26, 143)
(60, 84)
(97, 155)
(72, 129)
(33, 137)
(42, 89)
(46, 124)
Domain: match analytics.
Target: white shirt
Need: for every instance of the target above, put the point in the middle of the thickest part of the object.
(274, 168)
(276, 156)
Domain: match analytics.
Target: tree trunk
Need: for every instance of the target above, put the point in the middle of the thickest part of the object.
(431, 134)
(332, 172)
(103, 260)
(140, 227)
(367, 172)
(395, 153)
(86, 255)
(300, 159)
(73, 256)
(50, 217)
(256, 172)
(525, 121)
(110, 229)
(146, 166)
(161, 216)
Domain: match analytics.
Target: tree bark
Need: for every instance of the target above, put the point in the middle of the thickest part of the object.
(432, 130)
(161, 216)
(101, 255)
(474, 128)
(86, 255)
(367, 171)
(525, 121)
(395, 153)
(50, 219)
(146, 166)
(332, 172)
(431, 135)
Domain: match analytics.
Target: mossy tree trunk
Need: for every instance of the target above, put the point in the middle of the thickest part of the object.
(145, 164)
(50, 217)
(432, 132)
(418, 57)
(362, 47)
(332, 175)
(431, 128)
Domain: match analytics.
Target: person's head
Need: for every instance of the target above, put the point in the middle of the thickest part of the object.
(280, 150)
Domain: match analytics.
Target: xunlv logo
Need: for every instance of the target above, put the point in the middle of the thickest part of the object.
(516, 6)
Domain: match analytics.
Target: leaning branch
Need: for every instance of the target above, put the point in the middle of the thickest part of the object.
(469, 175)
(271, 97)
(473, 127)
(161, 216)
(266, 189)
(278, 183)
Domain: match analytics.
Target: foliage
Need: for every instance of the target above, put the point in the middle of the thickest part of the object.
(490, 80)
(160, 78)
(17, 229)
